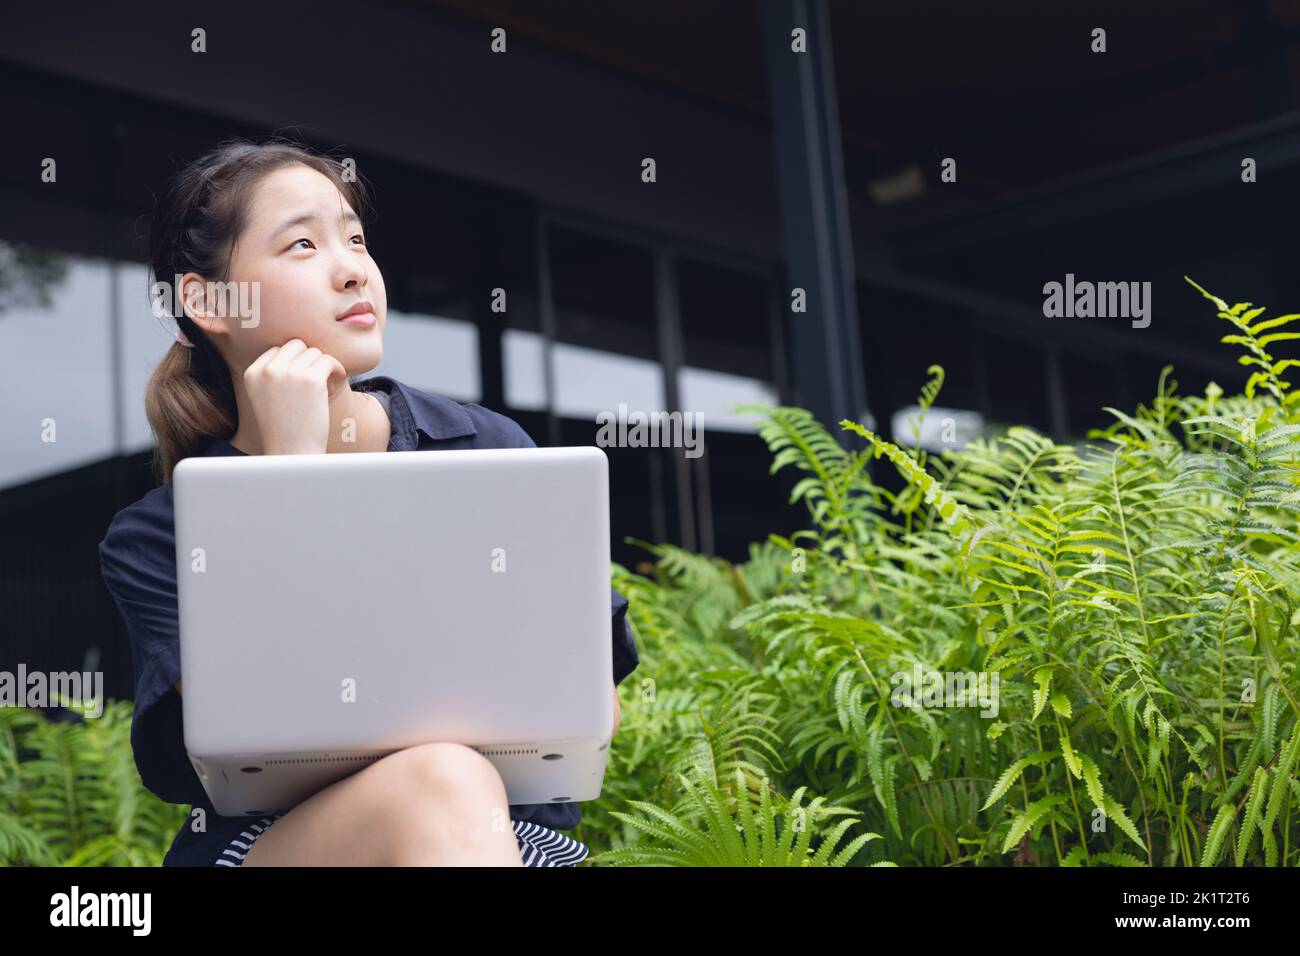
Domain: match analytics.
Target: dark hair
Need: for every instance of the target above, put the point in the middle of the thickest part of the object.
(190, 397)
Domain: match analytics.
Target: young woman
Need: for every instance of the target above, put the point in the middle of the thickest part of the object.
(279, 228)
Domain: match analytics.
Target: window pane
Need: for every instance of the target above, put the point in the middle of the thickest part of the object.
(523, 354)
(714, 393)
(57, 367)
(145, 339)
(433, 353)
(604, 293)
(588, 381)
(725, 319)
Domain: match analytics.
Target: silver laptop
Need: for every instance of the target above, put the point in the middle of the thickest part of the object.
(337, 608)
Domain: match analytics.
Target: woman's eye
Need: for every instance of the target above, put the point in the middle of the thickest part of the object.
(309, 242)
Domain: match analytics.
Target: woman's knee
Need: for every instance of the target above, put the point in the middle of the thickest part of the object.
(446, 772)
(451, 801)
(428, 802)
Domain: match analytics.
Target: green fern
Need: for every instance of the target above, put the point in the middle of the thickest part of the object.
(715, 829)
(70, 794)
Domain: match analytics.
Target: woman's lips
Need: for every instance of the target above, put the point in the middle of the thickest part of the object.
(363, 319)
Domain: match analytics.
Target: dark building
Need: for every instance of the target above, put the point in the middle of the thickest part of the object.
(796, 144)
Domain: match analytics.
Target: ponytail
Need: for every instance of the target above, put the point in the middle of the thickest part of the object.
(189, 400)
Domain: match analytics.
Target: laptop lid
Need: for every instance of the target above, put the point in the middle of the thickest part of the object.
(367, 601)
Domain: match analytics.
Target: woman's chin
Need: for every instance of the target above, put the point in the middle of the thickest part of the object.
(360, 359)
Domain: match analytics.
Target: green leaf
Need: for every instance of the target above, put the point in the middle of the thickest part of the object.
(1218, 831)
(1061, 704)
(1043, 680)
(1012, 774)
(1071, 758)
(1115, 811)
(1092, 779)
(1031, 817)
(1253, 804)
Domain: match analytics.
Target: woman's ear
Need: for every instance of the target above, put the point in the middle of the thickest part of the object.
(193, 298)
(201, 301)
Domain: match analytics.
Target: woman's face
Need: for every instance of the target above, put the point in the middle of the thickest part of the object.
(304, 259)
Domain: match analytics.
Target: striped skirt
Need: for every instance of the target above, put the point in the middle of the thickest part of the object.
(538, 845)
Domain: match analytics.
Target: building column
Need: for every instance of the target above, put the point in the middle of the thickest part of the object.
(827, 371)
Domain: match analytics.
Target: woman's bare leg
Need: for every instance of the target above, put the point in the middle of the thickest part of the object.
(432, 805)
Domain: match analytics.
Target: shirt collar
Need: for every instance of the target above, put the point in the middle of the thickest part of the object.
(415, 409)
(411, 411)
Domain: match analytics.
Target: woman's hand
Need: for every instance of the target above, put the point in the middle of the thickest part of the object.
(290, 387)
(618, 712)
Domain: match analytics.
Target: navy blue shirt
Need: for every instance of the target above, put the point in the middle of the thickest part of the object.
(138, 562)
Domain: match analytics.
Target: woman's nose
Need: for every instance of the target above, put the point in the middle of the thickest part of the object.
(352, 275)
